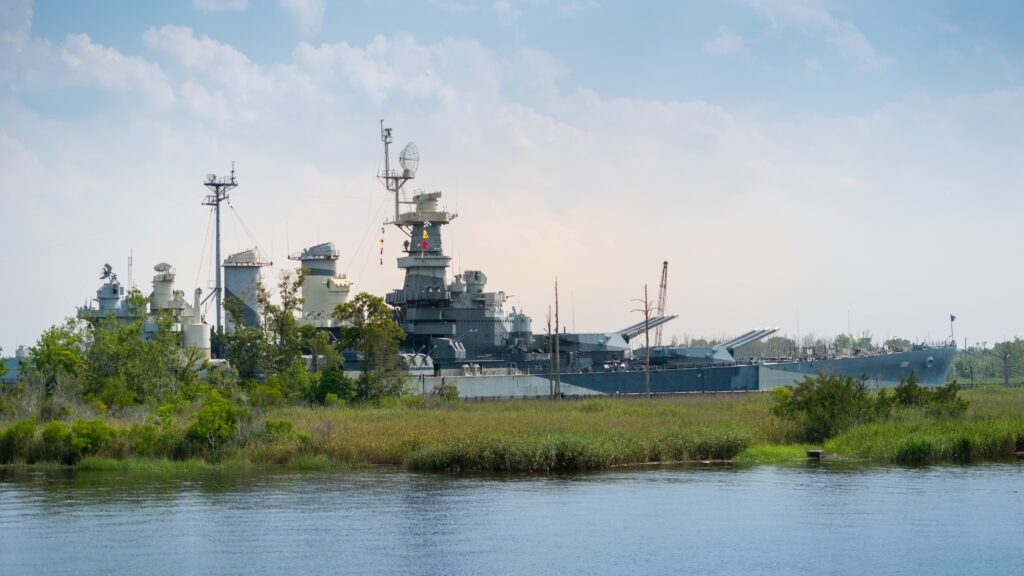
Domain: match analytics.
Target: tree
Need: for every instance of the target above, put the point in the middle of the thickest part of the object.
(898, 344)
(369, 329)
(843, 344)
(57, 356)
(323, 353)
(247, 347)
(126, 365)
(281, 326)
(1009, 355)
(864, 342)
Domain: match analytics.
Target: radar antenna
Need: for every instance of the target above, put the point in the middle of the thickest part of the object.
(108, 273)
(409, 160)
(221, 187)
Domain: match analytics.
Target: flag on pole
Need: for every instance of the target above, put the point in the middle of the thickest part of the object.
(424, 244)
(952, 318)
(425, 235)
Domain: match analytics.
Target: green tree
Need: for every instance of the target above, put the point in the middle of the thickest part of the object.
(331, 380)
(898, 344)
(281, 325)
(843, 344)
(324, 354)
(126, 365)
(369, 329)
(1009, 355)
(247, 347)
(215, 423)
(864, 342)
(58, 356)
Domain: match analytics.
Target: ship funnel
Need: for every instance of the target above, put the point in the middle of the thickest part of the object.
(242, 281)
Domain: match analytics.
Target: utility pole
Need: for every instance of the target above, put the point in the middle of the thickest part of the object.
(647, 341)
(558, 357)
(551, 357)
(220, 188)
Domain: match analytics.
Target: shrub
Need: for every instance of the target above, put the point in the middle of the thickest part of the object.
(16, 441)
(824, 406)
(330, 381)
(144, 440)
(55, 443)
(215, 423)
(90, 437)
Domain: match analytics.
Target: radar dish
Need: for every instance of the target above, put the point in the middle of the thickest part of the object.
(162, 267)
(410, 158)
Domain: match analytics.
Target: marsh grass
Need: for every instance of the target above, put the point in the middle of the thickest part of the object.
(992, 428)
(773, 454)
(547, 436)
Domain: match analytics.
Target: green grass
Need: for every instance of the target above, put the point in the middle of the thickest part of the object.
(773, 454)
(547, 436)
(147, 465)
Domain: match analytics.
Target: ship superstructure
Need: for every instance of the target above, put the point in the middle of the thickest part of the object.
(164, 300)
(324, 289)
(242, 280)
(441, 318)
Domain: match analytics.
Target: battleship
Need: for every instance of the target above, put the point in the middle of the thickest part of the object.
(457, 330)
(463, 327)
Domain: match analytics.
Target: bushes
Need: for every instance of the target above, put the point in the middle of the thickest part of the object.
(215, 423)
(16, 441)
(827, 405)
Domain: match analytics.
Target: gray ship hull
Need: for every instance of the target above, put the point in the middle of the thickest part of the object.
(884, 370)
(880, 371)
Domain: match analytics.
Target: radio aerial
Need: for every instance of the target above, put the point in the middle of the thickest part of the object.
(410, 159)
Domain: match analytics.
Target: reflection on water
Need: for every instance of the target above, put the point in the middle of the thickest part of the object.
(816, 519)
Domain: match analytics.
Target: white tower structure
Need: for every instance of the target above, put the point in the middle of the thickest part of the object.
(324, 289)
(242, 281)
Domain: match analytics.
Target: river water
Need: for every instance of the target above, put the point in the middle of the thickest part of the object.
(815, 519)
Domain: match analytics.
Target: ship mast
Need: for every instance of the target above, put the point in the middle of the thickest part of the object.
(220, 188)
(392, 179)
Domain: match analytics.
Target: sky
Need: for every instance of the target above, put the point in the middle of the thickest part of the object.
(818, 166)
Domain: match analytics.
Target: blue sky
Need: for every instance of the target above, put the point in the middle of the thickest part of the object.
(813, 159)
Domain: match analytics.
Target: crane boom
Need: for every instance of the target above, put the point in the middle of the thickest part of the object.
(661, 300)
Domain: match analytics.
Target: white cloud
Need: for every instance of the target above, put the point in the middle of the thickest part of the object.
(308, 14)
(508, 14)
(210, 6)
(823, 213)
(95, 64)
(726, 43)
(15, 21)
(449, 6)
(813, 19)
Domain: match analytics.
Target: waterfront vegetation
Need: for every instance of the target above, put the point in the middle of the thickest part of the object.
(211, 433)
(100, 396)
